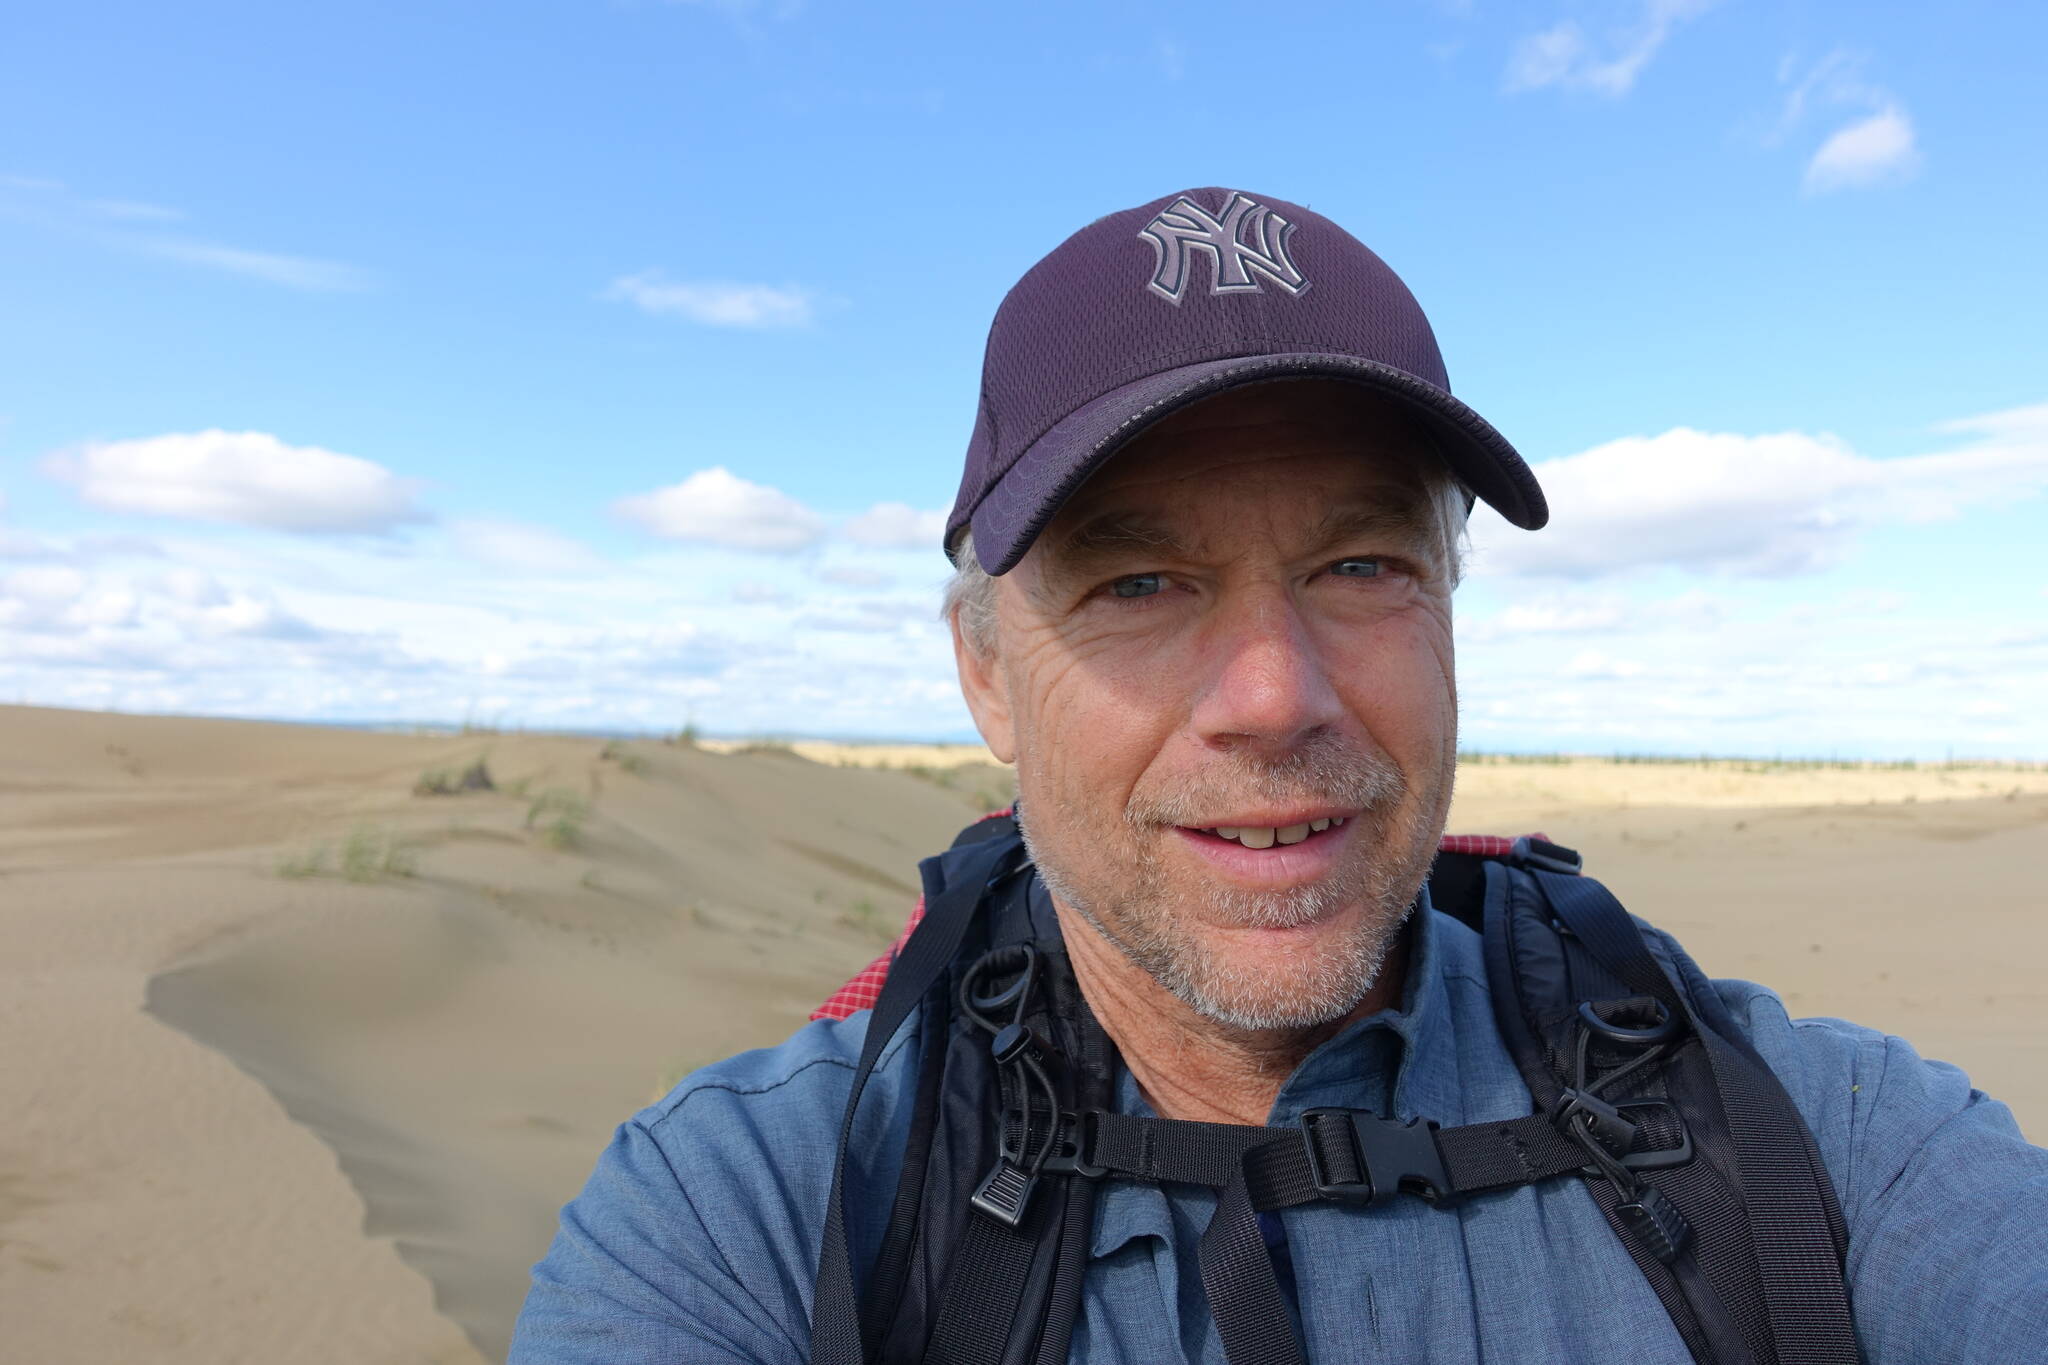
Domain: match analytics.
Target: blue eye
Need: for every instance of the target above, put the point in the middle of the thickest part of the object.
(1357, 568)
(1136, 585)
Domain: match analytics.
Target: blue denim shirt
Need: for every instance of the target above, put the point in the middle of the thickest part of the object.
(697, 1236)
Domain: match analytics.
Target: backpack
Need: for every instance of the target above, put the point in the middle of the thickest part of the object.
(1644, 1087)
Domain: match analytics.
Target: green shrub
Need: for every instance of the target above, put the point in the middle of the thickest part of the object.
(557, 815)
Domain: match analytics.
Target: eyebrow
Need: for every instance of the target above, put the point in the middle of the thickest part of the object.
(1122, 535)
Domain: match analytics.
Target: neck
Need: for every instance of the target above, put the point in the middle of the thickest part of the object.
(1187, 1065)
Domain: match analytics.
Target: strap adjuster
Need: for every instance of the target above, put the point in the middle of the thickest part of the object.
(1545, 856)
(1391, 1158)
(1073, 1139)
(1609, 1125)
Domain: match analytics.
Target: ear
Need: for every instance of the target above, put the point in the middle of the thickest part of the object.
(988, 698)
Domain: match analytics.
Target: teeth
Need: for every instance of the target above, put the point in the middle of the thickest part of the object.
(1253, 837)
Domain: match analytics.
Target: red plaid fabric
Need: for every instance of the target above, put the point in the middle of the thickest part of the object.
(861, 992)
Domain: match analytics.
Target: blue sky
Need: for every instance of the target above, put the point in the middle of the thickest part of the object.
(606, 364)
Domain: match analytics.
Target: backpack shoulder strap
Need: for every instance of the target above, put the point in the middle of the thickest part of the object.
(953, 892)
(1743, 1242)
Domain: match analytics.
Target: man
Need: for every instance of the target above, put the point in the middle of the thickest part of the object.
(1206, 542)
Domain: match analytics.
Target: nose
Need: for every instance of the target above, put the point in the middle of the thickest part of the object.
(1267, 686)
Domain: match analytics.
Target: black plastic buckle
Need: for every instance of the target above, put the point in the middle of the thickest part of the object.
(1394, 1158)
(1531, 851)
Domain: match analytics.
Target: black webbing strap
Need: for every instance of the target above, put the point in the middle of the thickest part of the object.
(978, 1308)
(1781, 1176)
(1330, 1156)
(1342, 1156)
(835, 1314)
(1785, 1195)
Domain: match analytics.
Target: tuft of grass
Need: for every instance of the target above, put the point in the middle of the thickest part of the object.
(628, 761)
(774, 748)
(310, 862)
(371, 852)
(866, 916)
(452, 782)
(368, 853)
(557, 815)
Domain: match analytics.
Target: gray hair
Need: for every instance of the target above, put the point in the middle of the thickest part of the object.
(971, 593)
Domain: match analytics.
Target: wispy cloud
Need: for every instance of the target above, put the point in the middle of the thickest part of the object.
(248, 478)
(294, 272)
(122, 225)
(717, 507)
(1173, 59)
(896, 526)
(1878, 145)
(521, 547)
(715, 303)
(1566, 56)
(1870, 151)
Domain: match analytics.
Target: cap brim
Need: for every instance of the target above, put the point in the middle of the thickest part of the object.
(1026, 498)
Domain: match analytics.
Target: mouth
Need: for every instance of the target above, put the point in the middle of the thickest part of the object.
(1260, 837)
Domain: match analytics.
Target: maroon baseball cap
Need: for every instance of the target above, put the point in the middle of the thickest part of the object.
(1143, 312)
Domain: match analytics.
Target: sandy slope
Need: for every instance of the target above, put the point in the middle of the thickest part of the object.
(258, 1117)
(461, 1041)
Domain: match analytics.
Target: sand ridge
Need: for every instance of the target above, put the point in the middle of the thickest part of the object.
(310, 1061)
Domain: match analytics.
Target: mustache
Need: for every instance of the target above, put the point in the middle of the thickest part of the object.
(1324, 770)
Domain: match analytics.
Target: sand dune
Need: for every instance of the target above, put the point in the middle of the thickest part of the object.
(305, 1062)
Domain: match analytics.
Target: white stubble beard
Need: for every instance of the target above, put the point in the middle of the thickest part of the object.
(1319, 982)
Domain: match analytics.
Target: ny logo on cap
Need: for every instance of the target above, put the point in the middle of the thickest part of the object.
(1246, 236)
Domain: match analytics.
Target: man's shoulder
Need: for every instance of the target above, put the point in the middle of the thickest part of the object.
(811, 1070)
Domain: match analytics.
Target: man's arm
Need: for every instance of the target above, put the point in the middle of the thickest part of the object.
(1946, 1202)
(638, 1272)
(697, 1235)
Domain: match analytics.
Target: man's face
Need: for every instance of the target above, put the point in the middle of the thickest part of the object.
(1242, 621)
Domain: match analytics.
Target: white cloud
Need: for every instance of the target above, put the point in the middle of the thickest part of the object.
(1173, 59)
(518, 546)
(715, 303)
(874, 616)
(1564, 56)
(1754, 505)
(1870, 151)
(247, 477)
(855, 576)
(717, 507)
(896, 526)
(113, 224)
(1878, 145)
(1556, 615)
(294, 272)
